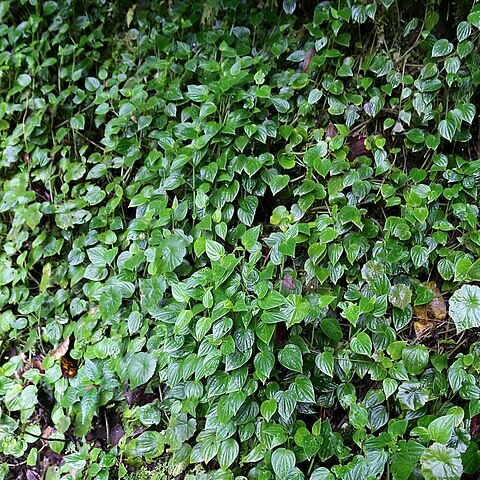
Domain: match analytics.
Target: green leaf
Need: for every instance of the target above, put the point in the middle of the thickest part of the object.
(281, 105)
(419, 256)
(400, 296)
(172, 251)
(28, 398)
(321, 473)
(389, 386)
(289, 6)
(303, 389)
(361, 344)
(140, 369)
(441, 48)
(92, 84)
(441, 463)
(78, 122)
(452, 64)
(416, 135)
(447, 129)
(315, 153)
(468, 111)
(250, 237)
(110, 301)
(286, 404)
(314, 96)
(291, 357)
(415, 358)
(412, 395)
(149, 444)
(474, 18)
(296, 309)
(272, 300)
(88, 406)
(325, 363)
(268, 409)
(264, 363)
(464, 307)
(278, 182)
(152, 290)
(282, 462)
(406, 459)
(215, 251)
(24, 80)
(197, 93)
(247, 208)
(227, 453)
(441, 429)
(7, 274)
(464, 30)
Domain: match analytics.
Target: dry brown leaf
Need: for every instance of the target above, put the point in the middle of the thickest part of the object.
(420, 312)
(357, 147)
(429, 314)
(69, 366)
(435, 310)
(308, 58)
(331, 130)
(61, 350)
(47, 432)
(423, 327)
(475, 426)
(37, 363)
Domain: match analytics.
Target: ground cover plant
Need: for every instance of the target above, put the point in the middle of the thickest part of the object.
(239, 240)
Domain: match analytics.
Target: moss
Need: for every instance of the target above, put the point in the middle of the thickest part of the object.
(159, 472)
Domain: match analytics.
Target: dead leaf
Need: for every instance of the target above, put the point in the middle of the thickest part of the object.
(61, 350)
(47, 432)
(331, 130)
(308, 58)
(423, 327)
(32, 475)
(398, 127)
(69, 366)
(116, 434)
(475, 426)
(37, 363)
(288, 282)
(436, 309)
(130, 14)
(357, 147)
(429, 314)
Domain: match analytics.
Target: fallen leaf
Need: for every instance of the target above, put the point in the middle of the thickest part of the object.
(116, 434)
(331, 130)
(398, 127)
(47, 432)
(288, 282)
(61, 350)
(423, 327)
(436, 309)
(281, 333)
(357, 147)
(69, 367)
(308, 58)
(475, 426)
(32, 475)
(429, 314)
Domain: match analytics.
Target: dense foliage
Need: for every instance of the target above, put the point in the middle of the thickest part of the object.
(239, 239)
